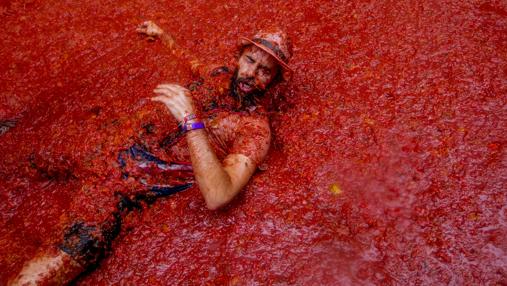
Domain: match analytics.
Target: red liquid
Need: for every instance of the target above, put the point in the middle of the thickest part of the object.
(388, 165)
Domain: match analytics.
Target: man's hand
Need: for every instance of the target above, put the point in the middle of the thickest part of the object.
(176, 98)
(150, 29)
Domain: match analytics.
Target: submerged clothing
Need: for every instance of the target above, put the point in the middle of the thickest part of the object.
(228, 133)
(231, 129)
(88, 241)
(176, 176)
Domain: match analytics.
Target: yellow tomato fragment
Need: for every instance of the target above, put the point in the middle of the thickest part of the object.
(335, 189)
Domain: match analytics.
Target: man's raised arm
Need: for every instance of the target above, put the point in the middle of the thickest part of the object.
(153, 31)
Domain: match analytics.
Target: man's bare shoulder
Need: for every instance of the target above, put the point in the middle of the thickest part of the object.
(253, 137)
(256, 119)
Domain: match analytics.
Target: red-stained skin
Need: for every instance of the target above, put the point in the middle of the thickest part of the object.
(387, 167)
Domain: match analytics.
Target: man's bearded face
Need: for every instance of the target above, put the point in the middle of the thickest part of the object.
(256, 70)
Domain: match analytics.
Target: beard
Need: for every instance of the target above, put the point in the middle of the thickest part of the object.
(245, 99)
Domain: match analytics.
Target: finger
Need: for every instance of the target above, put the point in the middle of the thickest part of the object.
(163, 98)
(167, 103)
(167, 100)
(175, 103)
(173, 87)
(181, 88)
(183, 98)
(177, 87)
(159, 99)
(172, 101)
(169, 91)
(164, 87)
(164, 91)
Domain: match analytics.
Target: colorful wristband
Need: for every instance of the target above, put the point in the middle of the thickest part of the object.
(185, 127)
(189, 117)
(190, 123)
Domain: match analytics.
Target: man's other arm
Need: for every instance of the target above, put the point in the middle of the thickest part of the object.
(153, 31)
(218, 182)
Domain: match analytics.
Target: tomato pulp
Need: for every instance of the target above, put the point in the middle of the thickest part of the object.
(388, 165)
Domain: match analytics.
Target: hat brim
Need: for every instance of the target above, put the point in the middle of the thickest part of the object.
(270, 52)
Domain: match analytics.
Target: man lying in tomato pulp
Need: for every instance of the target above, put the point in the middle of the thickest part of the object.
(227, 135)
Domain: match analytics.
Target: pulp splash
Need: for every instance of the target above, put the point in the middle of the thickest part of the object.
(388, 165)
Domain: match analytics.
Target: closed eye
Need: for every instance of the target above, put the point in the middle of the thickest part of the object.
(250, 59)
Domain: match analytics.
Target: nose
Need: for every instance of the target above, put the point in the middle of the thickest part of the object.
(248, 71)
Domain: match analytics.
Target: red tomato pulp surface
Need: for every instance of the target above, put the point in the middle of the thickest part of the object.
(388, 166)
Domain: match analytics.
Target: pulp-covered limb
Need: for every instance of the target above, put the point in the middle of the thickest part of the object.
(5, 125)
(49, 267)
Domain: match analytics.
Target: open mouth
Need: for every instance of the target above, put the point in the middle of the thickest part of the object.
(245, 87)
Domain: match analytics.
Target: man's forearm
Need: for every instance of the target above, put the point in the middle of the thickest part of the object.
(214, 182)
(168, 40)
(181, 53)
(218, 184)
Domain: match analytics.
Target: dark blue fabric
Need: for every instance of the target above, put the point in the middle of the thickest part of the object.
(162, 191)
(138, 153)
